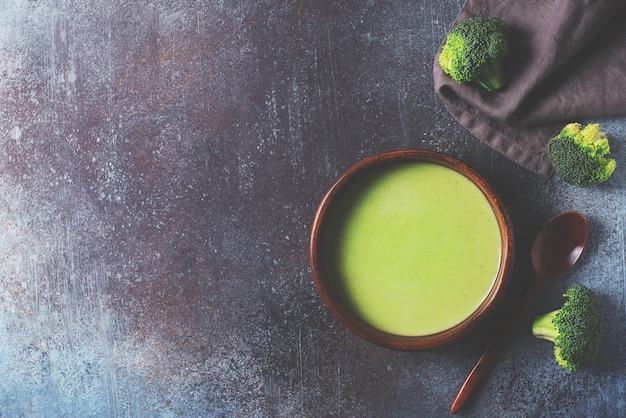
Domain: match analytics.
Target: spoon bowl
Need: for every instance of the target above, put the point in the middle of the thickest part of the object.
(559, 244)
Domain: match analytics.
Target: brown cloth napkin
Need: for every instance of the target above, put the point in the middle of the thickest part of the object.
(567, 62)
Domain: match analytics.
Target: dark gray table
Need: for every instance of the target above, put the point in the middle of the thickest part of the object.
(161, 164)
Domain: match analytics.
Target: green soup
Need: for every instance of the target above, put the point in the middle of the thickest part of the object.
(413, 248)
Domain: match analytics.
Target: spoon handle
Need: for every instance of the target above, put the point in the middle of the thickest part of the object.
(494, 348)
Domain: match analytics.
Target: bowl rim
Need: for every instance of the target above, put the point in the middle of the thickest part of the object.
(366, 331)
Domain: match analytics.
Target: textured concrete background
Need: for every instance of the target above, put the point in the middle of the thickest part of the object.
(161, 164)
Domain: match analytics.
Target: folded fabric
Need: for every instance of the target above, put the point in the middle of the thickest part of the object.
(567, 62)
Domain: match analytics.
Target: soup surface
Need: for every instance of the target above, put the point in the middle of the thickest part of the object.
(413, 248)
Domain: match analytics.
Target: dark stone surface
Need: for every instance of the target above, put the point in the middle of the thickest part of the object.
(162, 162)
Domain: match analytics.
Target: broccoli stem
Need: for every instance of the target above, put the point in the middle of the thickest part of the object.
(491, 76)
(544, 328)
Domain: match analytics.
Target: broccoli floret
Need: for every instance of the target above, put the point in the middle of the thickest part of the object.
(474, 50)
(575, 329)
(578, 154)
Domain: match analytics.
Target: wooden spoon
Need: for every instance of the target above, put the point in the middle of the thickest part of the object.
(556, 249)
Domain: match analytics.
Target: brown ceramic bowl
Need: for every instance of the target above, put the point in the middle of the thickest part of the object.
(332, 281)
